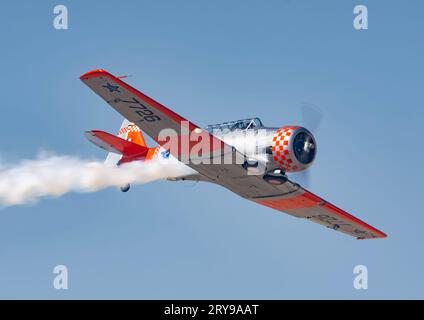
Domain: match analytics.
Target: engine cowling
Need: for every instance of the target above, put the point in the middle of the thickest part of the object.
(293, 148)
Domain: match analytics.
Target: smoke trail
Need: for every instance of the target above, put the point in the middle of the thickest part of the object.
(57, 175)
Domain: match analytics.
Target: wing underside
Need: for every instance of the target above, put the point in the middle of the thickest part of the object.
(304, 204)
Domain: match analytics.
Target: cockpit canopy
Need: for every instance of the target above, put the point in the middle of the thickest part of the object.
(244, 124)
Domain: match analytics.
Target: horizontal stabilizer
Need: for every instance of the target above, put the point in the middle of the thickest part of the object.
(114, 144)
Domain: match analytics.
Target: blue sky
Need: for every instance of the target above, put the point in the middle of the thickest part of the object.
(213, 62)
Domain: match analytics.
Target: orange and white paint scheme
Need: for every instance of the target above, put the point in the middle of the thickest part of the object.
(129, 144)
(270, 153)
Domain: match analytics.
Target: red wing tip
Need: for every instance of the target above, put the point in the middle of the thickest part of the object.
(381, 235)
(94, 73)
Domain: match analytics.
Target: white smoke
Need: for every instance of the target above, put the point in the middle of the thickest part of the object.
(51, 175)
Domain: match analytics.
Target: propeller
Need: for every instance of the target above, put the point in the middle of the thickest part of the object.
(311, 116)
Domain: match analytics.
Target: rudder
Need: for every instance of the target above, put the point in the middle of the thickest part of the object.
(130, 132)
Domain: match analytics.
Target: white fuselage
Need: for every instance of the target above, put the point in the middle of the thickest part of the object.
(253, 143)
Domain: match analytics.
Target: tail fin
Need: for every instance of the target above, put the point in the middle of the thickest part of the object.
(130, 132)
(130, 147)
(127, 146)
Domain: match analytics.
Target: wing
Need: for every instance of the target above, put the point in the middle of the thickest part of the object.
(155, 119)
(152, 117)
(149, 115)
(304, 204)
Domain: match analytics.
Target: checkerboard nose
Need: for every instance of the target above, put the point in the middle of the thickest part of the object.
(293, 148)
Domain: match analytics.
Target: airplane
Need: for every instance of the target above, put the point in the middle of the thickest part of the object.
(244, 156)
